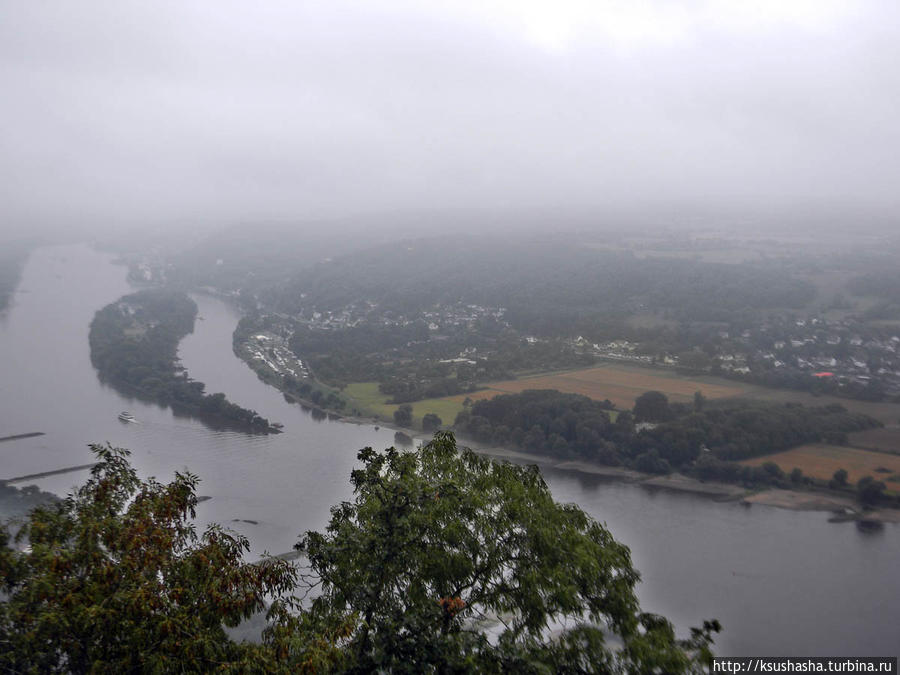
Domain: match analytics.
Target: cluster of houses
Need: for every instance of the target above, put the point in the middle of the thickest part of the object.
(460, 315)
(456, 315)
(842, 350)
(271, 351)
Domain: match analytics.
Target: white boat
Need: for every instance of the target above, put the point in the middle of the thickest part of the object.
(127, 417)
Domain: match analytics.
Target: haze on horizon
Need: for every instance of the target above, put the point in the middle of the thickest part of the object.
(129, 113)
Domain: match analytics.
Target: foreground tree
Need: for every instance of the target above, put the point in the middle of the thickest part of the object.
(444, 562)
(117, 580)
(449, 562)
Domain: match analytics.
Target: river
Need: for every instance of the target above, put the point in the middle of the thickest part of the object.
(781, 582)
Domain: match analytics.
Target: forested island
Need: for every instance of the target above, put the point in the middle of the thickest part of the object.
(134, 346)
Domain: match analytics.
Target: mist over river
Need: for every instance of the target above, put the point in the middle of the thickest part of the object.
(781, 582)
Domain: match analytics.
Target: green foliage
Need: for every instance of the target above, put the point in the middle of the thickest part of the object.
(436, 543)
(410, 366)
(869, 490)
(431, 422)
(651, 406)
(574, 426)
(839, 479)
(699, 401)
(444, 562)
(544, 420)
(403, 415)
(117, 580)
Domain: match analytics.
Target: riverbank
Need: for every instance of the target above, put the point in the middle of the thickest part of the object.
(844, 507)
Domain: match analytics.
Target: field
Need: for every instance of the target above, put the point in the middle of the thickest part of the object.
(618, 383)
(373, 403)
(821, 461)
(885, 412)
(622, 384)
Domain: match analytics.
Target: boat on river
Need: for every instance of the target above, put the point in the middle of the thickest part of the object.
(127, 417)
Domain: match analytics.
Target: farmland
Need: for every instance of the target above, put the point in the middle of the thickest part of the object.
(620, 384)
(370, 401)
(821, 461)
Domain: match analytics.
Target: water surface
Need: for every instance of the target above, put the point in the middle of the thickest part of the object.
(782, 582)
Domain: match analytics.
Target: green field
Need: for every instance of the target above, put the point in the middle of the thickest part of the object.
(371, 402)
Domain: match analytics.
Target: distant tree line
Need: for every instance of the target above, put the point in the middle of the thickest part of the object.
(134, 346)
(548, 288)
(883, 283)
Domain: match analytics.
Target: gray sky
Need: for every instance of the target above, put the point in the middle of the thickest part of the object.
(132, 112)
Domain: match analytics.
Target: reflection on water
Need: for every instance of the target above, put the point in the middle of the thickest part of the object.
(870, 527)
(781, 582)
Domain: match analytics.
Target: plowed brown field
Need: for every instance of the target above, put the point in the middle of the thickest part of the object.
(821, 461)
(621, 385)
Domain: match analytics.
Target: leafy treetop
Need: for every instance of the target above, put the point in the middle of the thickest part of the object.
(438, 545)
(443, 562)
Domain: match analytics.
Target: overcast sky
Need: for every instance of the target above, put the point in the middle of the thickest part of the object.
(133, 112)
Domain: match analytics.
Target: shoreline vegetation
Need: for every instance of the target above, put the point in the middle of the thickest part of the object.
(134, 346)
(808, 498)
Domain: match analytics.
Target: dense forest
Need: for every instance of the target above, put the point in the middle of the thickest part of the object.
(548, 288)
(134, 346)
(657, 436)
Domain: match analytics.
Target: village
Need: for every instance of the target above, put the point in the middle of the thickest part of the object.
(844, 354)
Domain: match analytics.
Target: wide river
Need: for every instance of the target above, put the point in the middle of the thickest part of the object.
(781, 582)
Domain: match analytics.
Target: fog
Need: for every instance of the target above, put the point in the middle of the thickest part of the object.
(196, 113)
